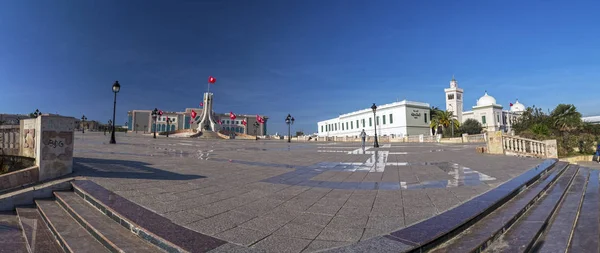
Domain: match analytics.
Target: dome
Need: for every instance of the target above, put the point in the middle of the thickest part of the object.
(517, 107)
(486, 100)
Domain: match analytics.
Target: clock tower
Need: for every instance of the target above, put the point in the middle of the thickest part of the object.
(454, 99)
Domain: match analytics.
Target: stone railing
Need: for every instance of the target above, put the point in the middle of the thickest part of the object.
(474, 138)
(9, 139)
(499, 143)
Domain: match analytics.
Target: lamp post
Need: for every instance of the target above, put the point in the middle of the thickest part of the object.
(374, 108)
(169, 120)
(37, 113)
(115, 88)
(256, 125)
(154, 114)
(289, 120)
(83, 119)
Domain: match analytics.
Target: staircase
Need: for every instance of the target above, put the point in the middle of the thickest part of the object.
(92, 219)
(554, 207)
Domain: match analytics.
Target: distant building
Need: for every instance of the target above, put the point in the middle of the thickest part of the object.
(591, 119)
(395, 119)
(490, 114)
(141, 120)
(12, 119)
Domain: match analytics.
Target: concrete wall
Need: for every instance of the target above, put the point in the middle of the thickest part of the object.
(54, 146)
(19, 178)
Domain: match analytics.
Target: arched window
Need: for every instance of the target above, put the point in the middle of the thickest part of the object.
(153, 126)
(173, 128)
(164, 127)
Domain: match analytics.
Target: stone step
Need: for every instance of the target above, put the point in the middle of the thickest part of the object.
(522, 235)
(112, 235)
(586, 231)
(558, 234)
(72, 236)
(485, 230)
(11, 235)
(38, 236)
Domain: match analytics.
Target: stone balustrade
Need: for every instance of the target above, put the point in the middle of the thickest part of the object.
(9, 139)
(517, 146)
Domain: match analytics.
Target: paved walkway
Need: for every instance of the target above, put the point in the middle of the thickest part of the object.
(298, 197)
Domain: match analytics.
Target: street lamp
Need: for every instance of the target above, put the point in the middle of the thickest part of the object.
(83, 119)
(154, 114)
(37, 113)
(374, 108)
(256, 125)
(289, 120)
(115, 88)
(169, 121)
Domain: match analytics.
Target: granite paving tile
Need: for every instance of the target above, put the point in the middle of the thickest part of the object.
(340, 221)
(281, 244)
(319, 245)
(343, 234)
(267, 224)
(242, 235)
(305, 231)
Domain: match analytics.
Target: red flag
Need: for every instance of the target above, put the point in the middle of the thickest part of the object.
(260, 119)
(160, 112)
(511, 104)
(193, 114)
(201, 104)
(244, 122)
(232, 115)
(211, 79)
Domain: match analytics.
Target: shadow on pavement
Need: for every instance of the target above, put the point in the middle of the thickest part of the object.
(109, 168)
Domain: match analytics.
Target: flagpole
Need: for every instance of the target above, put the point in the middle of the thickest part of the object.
(208, 87)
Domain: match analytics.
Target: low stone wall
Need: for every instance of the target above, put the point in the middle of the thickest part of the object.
(19, 178)
(452, 140)
(9, 139)
(579, 158)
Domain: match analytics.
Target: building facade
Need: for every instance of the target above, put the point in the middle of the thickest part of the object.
(396, 119)
(487, 111)
(141, 121)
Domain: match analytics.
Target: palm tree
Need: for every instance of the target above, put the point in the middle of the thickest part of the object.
(444, 119)
(565, 117)
(433, 111)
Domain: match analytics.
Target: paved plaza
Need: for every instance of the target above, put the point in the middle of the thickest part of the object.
(291, 197)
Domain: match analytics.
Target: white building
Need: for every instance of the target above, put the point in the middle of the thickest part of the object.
(395, 119)
(489, 113)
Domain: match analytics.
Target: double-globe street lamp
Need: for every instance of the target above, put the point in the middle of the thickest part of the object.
(289, 120)
(37, 113)
(83, 119)
(256, 125)
(115, 88)
(374, 108)
(154, 115)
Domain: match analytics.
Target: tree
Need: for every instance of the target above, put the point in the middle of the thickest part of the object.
(433, 111)
(444, 119)
(471, 126)
(299, 133)
(565, 117)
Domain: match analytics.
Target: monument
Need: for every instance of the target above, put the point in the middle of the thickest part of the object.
(207, 121)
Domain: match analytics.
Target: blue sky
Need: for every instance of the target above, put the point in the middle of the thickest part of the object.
(314, 59)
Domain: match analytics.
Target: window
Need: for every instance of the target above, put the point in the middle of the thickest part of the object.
(351, 124)
(326, 128)
(370, 122)
(425, 117)
(384, 119)
(335, 126)
(357, 124)
(322, 129)
(391, 119)
(363, 121)
(498, 117)
(347, 126)
(483, 120)
(343, 126)
(377, 121)
(459, 96)
(450, 96)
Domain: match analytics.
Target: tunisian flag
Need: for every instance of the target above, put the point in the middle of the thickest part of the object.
(232, 115)
(193, 114)
(511, 104)
(244, 122)
(201, 104)
(260, 119)
(211, 79)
